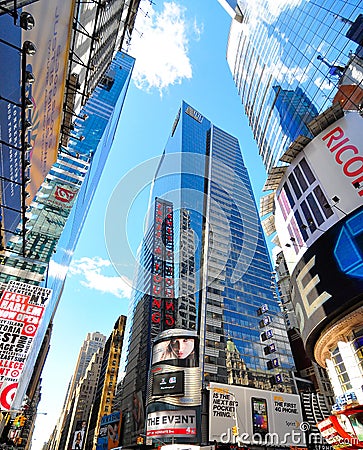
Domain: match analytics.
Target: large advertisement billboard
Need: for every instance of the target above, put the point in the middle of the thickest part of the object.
(328, 280)
(109, 434)
(178, 423)
(10, 157)
(252, 416)
(323, 184)
(175, 376)
(21, 309)
(51, 36)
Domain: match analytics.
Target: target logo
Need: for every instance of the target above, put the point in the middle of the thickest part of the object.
(7, 394)
(14, 373)
(29, 329)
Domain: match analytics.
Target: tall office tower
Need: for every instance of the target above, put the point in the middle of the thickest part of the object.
(57, 214)
(107, 383)
(301, 45)
(201, 179)
(91, 345)
(80, 406)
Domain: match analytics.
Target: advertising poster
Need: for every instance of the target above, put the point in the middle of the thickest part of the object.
(21, 310)
(180, 350)
(79, 433)
(261, 417)
(179, 423)
(109, 434)
(51, 36)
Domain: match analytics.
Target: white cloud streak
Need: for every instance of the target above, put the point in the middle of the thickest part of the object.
(160, 45)
(91, 270)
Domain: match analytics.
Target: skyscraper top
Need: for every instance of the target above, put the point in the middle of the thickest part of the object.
(295, 45)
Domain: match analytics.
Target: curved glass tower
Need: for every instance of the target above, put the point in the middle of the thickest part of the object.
(290, 61)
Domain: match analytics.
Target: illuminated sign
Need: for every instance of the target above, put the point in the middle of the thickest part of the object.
(329, 277)
(180, 423)
(169, 383)
(162, 289)
(349, 156)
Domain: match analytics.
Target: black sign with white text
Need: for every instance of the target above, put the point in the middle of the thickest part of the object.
(171, 383)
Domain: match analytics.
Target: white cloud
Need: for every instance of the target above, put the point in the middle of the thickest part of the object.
(91, 268)
(160, 46)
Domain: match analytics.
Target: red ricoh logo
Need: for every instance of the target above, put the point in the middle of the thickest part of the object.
(346, 154)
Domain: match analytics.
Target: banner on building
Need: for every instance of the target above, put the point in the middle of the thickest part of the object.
(253, 416)
(51, 36)
(179, 423)
(109, 434)
(21, 310)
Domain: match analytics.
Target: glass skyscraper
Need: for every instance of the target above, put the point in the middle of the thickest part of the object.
(222, 271)
(57, 214)
(295, 45)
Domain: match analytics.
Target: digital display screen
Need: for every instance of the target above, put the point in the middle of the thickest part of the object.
(259, 415)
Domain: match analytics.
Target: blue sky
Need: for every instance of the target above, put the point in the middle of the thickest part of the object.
(180, 49)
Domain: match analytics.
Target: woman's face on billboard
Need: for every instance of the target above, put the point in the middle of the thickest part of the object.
(182, 347)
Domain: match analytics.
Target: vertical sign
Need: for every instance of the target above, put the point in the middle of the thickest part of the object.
(21, 309)
(162, 286)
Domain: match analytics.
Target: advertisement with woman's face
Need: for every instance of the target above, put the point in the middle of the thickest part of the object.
(180, 351)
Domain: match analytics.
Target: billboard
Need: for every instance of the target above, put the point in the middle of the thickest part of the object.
(51, 36)
(109, 434)
(78, 436)
(328, 279)
(21, 309)
(260, 417)
(178, 423)
(162, 286)
(10, 158)
(169, 383)
(177, 350)
(322, 185)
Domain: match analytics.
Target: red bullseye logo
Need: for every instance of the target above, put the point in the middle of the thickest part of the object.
(7, 395)
(29, 329)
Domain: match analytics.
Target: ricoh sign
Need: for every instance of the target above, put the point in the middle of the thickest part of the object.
(347, 155)
(336, 157)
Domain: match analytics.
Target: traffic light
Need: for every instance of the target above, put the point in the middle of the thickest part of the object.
(16, 422)
(22, 420)
(235, 431)
(139, 440)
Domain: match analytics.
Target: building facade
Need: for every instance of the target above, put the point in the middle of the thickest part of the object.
(93, 343)
(57, 214)
(106, 386)
(222, 279)
(294, 47)
(298, 71)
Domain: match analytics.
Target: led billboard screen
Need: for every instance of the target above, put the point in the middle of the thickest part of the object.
(170, 383)
(179, 423)
(328, 279)
(177, 350)
(261, 417)
(323, 184)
